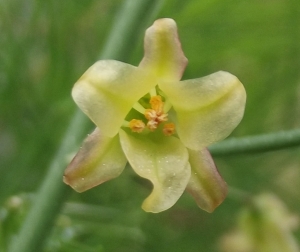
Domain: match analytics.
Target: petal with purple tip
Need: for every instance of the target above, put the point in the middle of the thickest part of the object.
(163, 53)
(206, 185)
(99, 159)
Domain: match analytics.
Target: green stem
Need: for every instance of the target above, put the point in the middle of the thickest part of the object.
(132, 18)
(256, 144)
(52, 194)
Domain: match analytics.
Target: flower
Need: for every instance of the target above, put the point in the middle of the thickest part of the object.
(264, 225)
(160, 124)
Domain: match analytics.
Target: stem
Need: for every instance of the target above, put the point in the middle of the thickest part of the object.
(132, 19)
(256, 144)
(51, 195)
(53, 192)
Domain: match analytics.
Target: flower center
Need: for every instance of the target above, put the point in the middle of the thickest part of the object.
(152, 117)
(155, 115)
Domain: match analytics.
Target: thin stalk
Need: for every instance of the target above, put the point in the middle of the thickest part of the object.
(256, 144)
(53, 192)
(132, 18)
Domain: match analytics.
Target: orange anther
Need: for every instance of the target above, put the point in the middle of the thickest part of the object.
(169, 129)
(157, 104)
(136, 125)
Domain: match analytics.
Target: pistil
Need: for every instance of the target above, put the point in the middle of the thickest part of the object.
(155, 115)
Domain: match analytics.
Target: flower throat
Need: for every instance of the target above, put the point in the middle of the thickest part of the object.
(149, 113)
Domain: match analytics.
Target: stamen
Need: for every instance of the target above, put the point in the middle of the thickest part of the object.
(150, 114)
(138, 107)
(153, 92)
(152, 125)
(167, 106)
(136, 125)
(169, 129)
(162, 118)
(155, 115)
(125, 124)
(156, 103)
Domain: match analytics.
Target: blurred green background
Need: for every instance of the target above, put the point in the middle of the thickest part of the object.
(45, 46)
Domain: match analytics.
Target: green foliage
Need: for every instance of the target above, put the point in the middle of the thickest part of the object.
(44, 48)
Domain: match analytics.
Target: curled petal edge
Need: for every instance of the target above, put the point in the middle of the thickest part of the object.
(162, 160)
(206, 184)
(163, 52)
(99, 159)
(107, 91)
(207, 109)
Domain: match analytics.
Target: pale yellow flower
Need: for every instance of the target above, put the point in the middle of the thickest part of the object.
(145, 115)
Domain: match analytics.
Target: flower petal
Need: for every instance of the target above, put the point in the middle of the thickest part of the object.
(99, 159)
(206, 185)
(161, 159)
(107, 91)
(207, 109)
(163, 52)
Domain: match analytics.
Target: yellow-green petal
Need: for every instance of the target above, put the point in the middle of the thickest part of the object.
(206, 185)
(163, 53)
(208, 109)
(162, 160)
(98, 160)
(107, 91)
